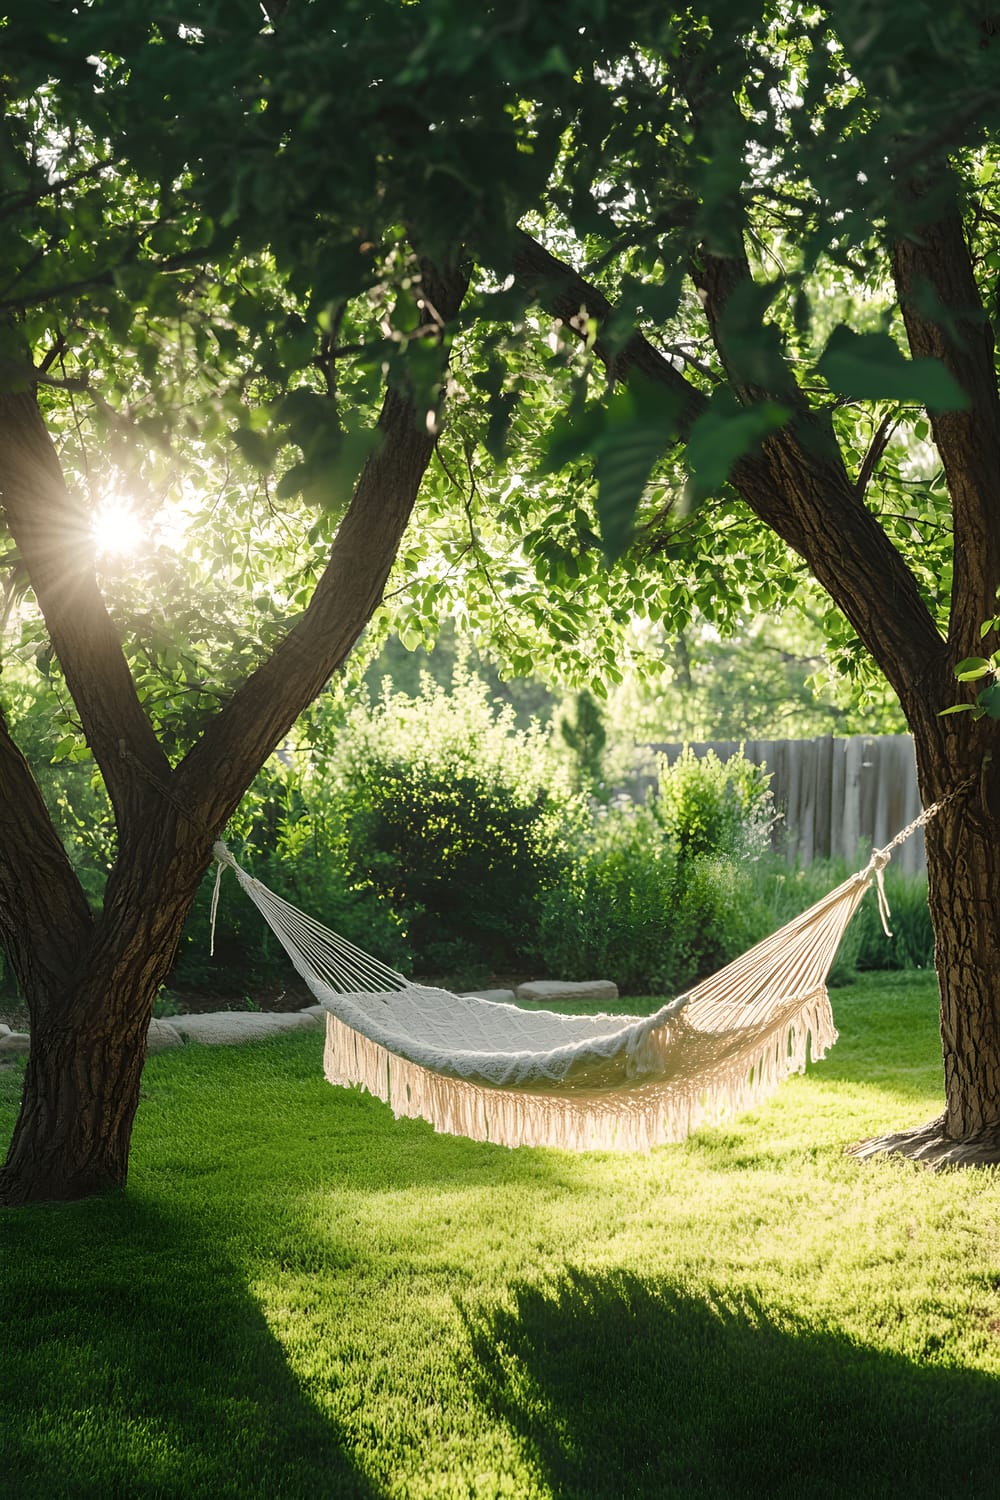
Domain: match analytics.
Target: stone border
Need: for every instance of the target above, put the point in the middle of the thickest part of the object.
(230, 1027)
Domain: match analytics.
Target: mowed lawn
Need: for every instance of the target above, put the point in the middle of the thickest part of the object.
(300, 1297)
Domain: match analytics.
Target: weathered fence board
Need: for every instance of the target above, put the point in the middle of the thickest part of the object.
(835, 797)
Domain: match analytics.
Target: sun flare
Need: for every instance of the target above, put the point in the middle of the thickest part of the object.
(117, 530)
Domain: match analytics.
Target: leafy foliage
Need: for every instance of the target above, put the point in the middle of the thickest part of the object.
(295, 289)
(456, 819)
(422, 829)
(975, 669)
(708, 806)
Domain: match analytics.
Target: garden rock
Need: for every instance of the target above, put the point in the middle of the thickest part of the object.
(224, 1027)
(162, 1034)
(14, 1043)
(556, 991)
(499, 997)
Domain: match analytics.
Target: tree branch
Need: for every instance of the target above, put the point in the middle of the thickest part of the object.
(872, 459)
(51, 533)
(796, 483)
(45, 922)
(564, 293)
(945, 320)
(183, 260)
(213, 776)
(751, 355)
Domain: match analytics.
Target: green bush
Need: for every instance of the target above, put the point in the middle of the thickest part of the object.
(608, 916)
(458, 820)
(423, 830)
(717, 915)
(660, 896)
(285, 845)
(707, 806)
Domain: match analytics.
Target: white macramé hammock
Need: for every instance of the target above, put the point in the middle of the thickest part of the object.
(500, 1073)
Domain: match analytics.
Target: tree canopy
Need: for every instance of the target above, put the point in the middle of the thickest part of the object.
(647, 314)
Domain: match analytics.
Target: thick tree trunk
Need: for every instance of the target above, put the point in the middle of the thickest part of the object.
(81, 1091)
(88, 1037)
(963, 866)
(964, 869)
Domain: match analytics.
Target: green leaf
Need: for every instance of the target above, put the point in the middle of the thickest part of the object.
(989, 699)
(625, 438)
(574, 435)
(752, 346)
(256, 447)
(63, 748)
(641, 420)
(956, 708)
(872, 367)
(972, 668)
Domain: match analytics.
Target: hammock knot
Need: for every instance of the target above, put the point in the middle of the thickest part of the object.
(876, 867)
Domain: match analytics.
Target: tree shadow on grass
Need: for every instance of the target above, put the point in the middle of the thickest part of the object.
(620, 1387)
(136, 1364)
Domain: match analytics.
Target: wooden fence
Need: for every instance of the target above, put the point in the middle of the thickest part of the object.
(835, 797)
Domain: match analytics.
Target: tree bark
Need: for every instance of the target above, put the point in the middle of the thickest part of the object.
(955, 763)
(81, 1091)
(964, 878)
(88, 1032)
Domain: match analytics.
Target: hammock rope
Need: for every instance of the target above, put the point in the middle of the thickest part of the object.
(502, 1073)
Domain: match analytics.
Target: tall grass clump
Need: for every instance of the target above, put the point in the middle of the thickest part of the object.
(787, 891)
(911, 945)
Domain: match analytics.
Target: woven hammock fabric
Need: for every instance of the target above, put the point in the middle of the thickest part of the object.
(500, 1073)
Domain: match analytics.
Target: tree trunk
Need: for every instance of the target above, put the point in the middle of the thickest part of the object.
(963, 867)
(88, 1038)
(81, 1091)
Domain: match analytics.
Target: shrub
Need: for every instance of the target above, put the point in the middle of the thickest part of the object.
(282, 842)
(713, 807)
(650, 900)
(607, 917)
(458, 819)
(717, 914)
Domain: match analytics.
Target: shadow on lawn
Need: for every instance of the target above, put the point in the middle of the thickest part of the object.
(618, 1387)
(135, 1364)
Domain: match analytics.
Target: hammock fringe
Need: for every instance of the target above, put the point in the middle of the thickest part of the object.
(651, 1114)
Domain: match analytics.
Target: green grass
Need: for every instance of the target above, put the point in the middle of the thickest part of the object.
(299, 1297)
